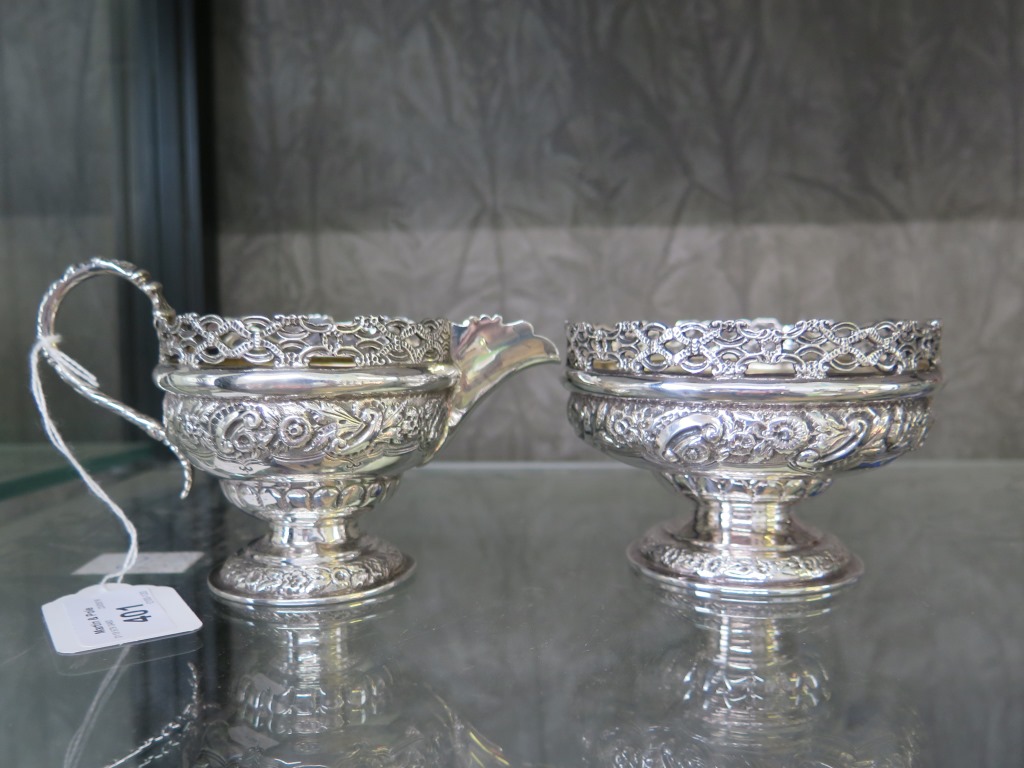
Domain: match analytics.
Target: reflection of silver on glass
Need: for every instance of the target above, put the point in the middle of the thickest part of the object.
(748, 417)
(168, 740)
(309, 422)
(311, 687)
(755, 687)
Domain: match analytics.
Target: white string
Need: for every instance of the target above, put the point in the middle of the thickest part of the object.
(71, 368)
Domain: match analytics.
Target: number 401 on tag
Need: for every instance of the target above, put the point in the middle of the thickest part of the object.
(135, 612)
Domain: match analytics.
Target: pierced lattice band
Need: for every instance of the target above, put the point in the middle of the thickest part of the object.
(731, 349)
(288, 341)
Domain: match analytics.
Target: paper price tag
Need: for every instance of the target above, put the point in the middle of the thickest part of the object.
(105, 615)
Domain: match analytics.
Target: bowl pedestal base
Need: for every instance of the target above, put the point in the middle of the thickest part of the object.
(744, 539)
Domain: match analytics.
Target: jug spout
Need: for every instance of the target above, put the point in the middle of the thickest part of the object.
(486, 350)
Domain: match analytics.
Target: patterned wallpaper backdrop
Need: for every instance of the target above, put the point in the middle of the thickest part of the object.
(624, 160)
(58, 171)
(558, 159)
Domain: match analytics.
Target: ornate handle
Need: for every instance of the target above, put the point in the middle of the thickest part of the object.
(69, 373)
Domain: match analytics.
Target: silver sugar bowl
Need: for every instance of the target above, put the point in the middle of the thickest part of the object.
(308, 423)
(748, 417)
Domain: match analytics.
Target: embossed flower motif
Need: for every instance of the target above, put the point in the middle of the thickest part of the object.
(694, 447)
(787, 433)
(295, 582)
(739, 444)
(190, 429)
(244, 433)
(295, 431)
(618, 428)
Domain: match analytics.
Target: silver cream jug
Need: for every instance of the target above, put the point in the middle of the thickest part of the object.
(308, 422)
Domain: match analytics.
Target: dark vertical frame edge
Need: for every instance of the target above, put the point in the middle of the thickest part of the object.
(166, 218)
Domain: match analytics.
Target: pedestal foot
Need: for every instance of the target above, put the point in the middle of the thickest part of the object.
(667, 553)
(256, 578)
(743, 539)
(314, 553)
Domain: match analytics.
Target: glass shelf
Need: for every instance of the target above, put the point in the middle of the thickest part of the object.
(524, 639)
(29, 467)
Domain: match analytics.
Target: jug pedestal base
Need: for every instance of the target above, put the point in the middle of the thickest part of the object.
(257, 577)
(314, 553)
